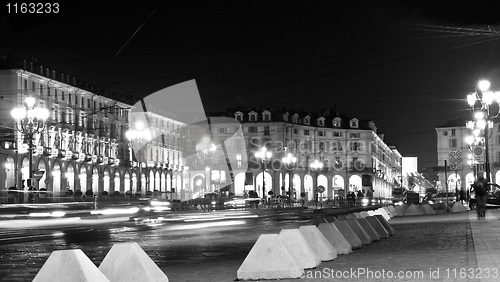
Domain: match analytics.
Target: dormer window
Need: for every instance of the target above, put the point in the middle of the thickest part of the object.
(336, 122)
(252, 116)
(354, 123)
(238, 116)
(321, 121)
(295, 118)
(266, 116)
(307, 120)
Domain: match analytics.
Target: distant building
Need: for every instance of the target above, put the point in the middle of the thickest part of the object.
(354, 155)
(83, 147)
(452, 148)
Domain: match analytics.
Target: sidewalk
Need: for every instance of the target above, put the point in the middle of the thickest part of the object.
(442, 247)
(486, 234)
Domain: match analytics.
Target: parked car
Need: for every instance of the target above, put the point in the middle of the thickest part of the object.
(443, 197)
(493, 197)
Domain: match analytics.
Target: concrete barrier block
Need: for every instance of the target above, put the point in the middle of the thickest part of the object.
(318, 242)
(319, 219)
(298, 247)
(369, 229)
(351, 216)
(412, 210)
(426, 209)
(375, 223)
(341, 217)
(335, 238)
(400, 210)
(358, 215)
(393, 211)
(388, 212)
(441, 206)
(364, 214)
(69, 265)
(405, 206)
(359, 231)
(269, 258)
(386, 225)
(458, 207)
(127, 262)
(349, 234)
(383, 213)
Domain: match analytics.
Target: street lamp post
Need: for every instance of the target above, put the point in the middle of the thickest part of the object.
(264, 156)
(481, 102)
(316, 166)
(30, 120)
(289, 162)
(139, 140)
(205, 151)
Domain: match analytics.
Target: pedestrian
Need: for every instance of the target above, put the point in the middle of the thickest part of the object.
(480, 187)
(462, 196)
(360, 194)
(352, 199)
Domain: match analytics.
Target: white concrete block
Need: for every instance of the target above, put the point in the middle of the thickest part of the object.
(351, 216)
(426, 209)
(364, 214)
(318, 242)
(375, 223)
(269, 258)
(412, 210)
(383, 213)
(400, 210)
(336, 239)
(393, 211)
(458, 207)
(127, 262)
(298, 247)
(358, 215)
(388, 212)
(69, 265)
(348, 233)
(369, 229)
(341, 217)
(386, 225)
(359, 231)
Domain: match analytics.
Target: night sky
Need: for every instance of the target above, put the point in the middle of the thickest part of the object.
(406, 66)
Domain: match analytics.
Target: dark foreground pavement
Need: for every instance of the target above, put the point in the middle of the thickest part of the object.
(441, 247)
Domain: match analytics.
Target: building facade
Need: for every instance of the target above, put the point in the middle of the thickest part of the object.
(460, 171)
(83, 150)
(354, 156)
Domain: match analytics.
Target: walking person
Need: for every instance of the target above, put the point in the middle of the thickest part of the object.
(462, 196)
(480, 187)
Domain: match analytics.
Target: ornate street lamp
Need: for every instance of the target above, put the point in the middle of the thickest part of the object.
(289, 163)
(316, 166)
(139, 140)
(30, 120)
(264, 156)
(205, 151)
(484, 105)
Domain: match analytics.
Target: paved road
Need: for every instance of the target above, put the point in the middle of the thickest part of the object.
(440, 245)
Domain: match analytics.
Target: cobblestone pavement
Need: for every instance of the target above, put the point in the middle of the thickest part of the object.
(425, 248)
